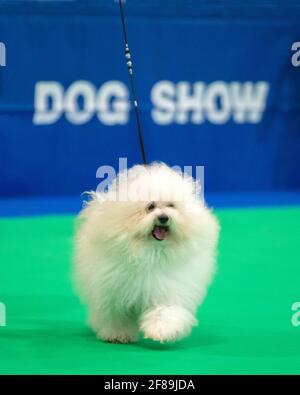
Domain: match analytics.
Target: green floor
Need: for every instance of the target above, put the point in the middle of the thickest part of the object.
(245, 323)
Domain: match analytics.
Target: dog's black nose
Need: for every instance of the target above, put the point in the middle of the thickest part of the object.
(163, 218)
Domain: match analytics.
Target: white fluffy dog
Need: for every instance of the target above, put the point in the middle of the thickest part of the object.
(145, 255)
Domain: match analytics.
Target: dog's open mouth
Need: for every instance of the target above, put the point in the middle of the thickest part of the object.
(160, 232)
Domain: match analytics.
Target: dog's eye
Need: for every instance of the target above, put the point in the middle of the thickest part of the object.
(170, 204)
(151, 206)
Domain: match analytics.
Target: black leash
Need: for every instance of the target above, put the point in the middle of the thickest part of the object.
(135, 103)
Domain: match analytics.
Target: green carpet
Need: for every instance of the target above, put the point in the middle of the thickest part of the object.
(244, 325)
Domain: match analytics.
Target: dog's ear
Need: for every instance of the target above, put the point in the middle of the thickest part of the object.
(92, 198)
(91, 195)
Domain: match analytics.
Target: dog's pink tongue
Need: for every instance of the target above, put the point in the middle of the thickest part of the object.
(160, 232)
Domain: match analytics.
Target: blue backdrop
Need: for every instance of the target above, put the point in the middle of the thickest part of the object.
(216, 87)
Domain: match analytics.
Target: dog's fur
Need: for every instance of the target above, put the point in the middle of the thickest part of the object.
(130, 281)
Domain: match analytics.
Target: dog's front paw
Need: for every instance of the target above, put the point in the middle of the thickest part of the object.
(113, 331)
(120, 337)
(117, 336)
(167, 323)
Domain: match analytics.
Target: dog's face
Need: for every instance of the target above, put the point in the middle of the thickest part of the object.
(163, 221)
(161, 209)
(161, 218)
(160, 223)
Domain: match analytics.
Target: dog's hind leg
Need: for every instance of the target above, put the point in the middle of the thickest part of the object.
(114, 330)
